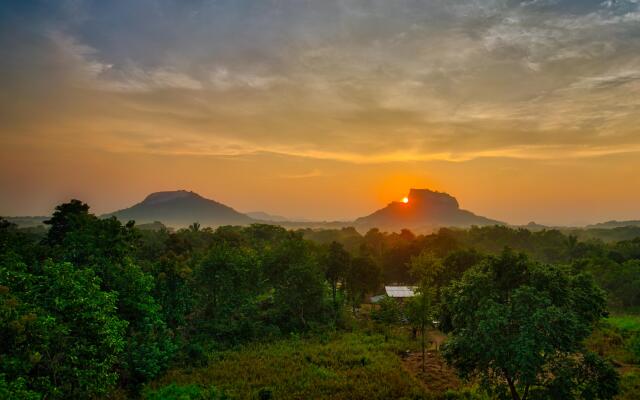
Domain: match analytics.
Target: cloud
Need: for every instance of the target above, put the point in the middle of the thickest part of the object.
(350, 81)
(305, 175)
(608, 81)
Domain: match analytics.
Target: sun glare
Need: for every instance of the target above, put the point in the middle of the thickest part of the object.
(405, 200)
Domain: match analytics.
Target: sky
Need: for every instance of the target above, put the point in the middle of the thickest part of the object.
(522, 110)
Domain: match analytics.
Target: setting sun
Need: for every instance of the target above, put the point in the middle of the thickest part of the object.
(405, 200)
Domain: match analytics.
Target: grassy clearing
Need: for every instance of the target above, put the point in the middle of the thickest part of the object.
(625, 322)
(358, 365)
(347, 366)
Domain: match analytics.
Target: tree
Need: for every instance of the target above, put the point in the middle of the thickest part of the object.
(336, 261)
(105, 247)
(455, 264)
(227, 280)
(299, 297)
(60, 336)
(425, 267)
(520, 326)
(67, 217)
(389, 314)
(362, 277)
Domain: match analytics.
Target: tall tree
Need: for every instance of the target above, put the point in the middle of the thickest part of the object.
(105, 246)
(519, 326)
(336, 263)
(425, 267)
(363, 277)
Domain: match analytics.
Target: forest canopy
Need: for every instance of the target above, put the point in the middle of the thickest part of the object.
(91, 305)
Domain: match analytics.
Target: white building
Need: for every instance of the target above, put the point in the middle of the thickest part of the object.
(395, 292)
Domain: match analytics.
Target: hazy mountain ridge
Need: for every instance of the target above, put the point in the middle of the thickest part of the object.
(27, 221)
(614, 224)
(181, 208)
(263, 216)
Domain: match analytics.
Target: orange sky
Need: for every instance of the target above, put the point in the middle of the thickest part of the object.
(324, 110)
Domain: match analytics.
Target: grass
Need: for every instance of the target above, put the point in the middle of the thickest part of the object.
(625, 322)
(630, 386)
(346, 366)
(355, 365)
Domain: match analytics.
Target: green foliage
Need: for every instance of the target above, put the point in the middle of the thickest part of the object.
(518, 325)
(620, 279)
(300, 295)
(227, 281)
(60, 336)
(389, 311)
(17, 390)
(337, 262)
(363, 277)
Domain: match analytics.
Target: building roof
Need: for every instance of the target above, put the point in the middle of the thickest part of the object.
(377, 299)
(399, 291)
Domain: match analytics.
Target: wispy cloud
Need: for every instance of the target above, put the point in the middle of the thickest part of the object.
(348, 81)
(305, 175)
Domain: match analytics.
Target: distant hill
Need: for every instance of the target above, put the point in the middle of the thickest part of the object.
(263, 216)
(181, 208)
(614, 224)
(426, 209)
(27, 222)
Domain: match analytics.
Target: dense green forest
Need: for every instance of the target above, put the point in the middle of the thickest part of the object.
(91, 308)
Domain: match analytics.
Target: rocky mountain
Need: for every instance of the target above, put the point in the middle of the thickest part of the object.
(424, 210)
(181, 208)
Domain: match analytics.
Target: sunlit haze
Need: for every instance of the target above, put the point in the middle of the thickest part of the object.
(522, 110)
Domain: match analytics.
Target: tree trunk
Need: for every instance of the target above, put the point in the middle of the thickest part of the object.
(526, 393)
(335, 303)
(423, 347)
(334, 292)
(304, 322)
(512, 388)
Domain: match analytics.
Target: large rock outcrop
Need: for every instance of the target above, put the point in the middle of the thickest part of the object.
(425, 210)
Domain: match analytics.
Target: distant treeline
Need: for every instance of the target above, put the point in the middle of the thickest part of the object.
(615, 265)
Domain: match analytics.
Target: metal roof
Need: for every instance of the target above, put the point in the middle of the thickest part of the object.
(377, 299)
(399, 291)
